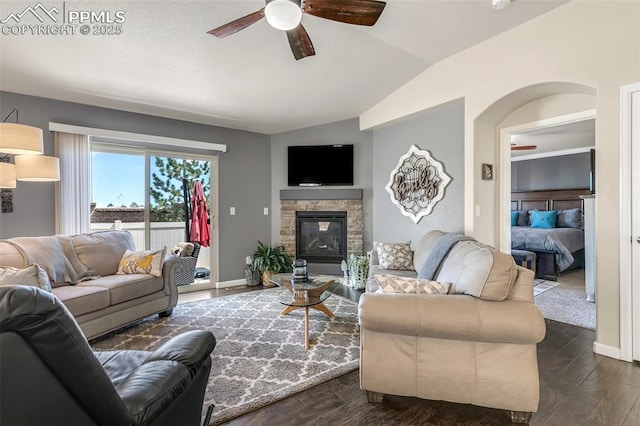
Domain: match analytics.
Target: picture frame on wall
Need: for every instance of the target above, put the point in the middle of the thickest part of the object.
(487, 171)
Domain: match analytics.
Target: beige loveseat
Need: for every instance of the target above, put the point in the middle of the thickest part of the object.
(475, 345)
(82, 273)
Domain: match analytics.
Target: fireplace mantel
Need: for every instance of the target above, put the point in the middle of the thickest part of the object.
(321, 194)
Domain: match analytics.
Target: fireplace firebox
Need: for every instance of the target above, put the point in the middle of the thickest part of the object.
(321, 237)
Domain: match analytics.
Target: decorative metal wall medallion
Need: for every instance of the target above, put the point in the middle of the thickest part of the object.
(417, 183)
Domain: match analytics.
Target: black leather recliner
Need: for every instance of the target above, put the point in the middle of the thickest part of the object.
(50, 375)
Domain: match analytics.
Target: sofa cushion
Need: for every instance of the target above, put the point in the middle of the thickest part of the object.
(126, 287)
(423, 248)
(389, 283)
(478, 270)
(100, 252)
(142, 262)
(81, 299)
(32, 275)
(394, 255)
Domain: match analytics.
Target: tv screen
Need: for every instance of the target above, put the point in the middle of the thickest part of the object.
(320, 165)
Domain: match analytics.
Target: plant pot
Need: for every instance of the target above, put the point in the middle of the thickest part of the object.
(252, 276)
(266, 276)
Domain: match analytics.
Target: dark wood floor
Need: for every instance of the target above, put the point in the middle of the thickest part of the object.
(577, 387)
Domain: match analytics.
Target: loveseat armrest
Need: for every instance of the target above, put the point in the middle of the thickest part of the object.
(170, 266)
(163, 377)
(454, 317)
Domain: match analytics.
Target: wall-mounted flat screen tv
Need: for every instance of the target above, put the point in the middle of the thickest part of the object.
(320, 165)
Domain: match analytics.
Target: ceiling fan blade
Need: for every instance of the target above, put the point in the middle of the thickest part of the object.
(300, 43)
(523, 147)
(357, 12)
(237, 25)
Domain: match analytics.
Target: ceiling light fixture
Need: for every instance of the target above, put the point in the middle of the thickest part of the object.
(25, 143)
(500, 4)
(283, 15)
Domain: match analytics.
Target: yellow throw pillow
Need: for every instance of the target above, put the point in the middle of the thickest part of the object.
(407, 285)
(142, 262)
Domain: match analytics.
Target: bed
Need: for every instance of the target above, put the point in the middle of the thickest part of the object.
(559, 249)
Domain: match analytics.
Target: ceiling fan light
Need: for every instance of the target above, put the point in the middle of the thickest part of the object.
(500, 4)
(283, 15)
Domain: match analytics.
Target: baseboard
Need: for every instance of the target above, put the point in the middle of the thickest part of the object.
(231, 283)
(606, 350)
(196, 286)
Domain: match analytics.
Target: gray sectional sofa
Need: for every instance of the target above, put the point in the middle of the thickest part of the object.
(82, 270)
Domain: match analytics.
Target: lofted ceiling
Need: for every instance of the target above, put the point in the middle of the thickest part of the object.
(164, 63)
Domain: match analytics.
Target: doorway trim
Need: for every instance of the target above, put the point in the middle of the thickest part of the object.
(627, 304)
(505, 166)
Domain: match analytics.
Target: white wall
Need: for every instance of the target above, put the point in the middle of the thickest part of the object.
(590, 47)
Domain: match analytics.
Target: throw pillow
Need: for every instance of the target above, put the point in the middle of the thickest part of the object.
(523, 218)
(142, 262)
(397, 256)
(408, 285)
(514, 218)
(544, 219)
(571, 218)
(32, 275)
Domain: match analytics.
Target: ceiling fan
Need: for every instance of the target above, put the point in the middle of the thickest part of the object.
(286, 15)
(515, 147)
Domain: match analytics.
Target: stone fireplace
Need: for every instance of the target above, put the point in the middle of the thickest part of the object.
(321, 236)
(320, 209)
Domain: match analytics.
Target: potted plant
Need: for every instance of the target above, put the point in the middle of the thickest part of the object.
(270, 259)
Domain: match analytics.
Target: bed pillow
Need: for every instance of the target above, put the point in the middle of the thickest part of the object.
(142, 262)
(523, 218)
(514, 218)
(408, 285)
(544, 219)
(398, 256)
(571, 218)
(32, 275)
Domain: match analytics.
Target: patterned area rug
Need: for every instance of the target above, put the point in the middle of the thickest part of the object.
(260, 356)
(540, 286)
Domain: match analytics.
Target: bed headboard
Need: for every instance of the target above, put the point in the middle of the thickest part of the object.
(554, 199)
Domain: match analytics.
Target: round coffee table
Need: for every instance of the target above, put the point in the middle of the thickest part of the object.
(308, 294)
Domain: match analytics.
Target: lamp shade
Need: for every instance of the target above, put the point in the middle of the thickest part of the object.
(283, 14)
(37, 168)
(7, 175)
(20, 139)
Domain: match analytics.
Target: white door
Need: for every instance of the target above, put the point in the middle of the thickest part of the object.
(635, 219)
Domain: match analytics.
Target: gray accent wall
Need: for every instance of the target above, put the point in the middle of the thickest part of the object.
(561, 172)
(340, 132)
(441, 132)
(244, 173)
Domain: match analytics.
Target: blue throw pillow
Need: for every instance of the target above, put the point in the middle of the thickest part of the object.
(544, 219)
(514, 218)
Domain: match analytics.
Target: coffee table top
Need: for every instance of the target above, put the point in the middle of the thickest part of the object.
(303, 294)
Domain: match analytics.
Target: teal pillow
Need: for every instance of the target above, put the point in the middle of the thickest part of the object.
(514, 218)
(544, 219)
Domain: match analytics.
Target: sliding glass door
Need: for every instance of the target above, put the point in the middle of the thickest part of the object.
(147, 193)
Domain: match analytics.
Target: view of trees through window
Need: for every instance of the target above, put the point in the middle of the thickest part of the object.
(166, 188)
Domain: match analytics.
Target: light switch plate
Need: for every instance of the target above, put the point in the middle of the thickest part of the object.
(232, 211)
(266, 211)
